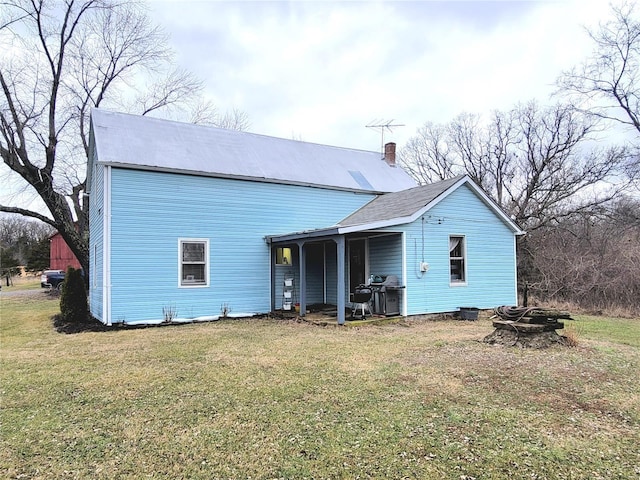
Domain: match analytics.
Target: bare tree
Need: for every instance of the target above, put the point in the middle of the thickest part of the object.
(503, 136)
(470, 145)
(13, 227)
(556, 172)
(427, 156)
(607, 84)
(592, 259)
(62, 58)
(532, 160)
(22, 240)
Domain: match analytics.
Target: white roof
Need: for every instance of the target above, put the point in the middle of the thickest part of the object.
(149, 143)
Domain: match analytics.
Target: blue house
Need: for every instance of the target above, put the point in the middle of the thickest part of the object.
(191, 222)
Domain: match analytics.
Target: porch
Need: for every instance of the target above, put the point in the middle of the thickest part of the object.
(327, 316)
(324, 268)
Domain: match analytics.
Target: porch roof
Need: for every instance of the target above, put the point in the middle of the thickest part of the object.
(399, 205)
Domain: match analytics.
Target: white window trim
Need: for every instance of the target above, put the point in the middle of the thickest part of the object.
(206, 262)
(460, 283)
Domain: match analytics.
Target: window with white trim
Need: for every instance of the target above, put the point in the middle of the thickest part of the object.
(457, 262)
(194, 262)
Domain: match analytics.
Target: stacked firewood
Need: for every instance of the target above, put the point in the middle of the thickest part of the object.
(529, 319)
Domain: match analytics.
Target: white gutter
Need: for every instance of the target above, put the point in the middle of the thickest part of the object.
(230, 176)
(515, 266)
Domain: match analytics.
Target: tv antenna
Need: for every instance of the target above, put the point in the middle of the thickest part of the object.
(383, 126)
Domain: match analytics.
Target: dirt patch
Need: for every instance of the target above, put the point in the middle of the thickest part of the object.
(513, 338)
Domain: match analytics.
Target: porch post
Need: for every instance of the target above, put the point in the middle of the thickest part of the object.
(272, 276)
(341, 278)
(302, 256)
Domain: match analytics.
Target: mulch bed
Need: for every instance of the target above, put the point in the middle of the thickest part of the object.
(91, 325)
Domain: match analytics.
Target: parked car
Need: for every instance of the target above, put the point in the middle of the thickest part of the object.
(52, 279)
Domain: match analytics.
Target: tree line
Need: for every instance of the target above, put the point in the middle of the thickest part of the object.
(24, 243)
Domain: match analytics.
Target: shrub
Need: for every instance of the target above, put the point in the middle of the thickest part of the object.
(572, 336)
(73, 300)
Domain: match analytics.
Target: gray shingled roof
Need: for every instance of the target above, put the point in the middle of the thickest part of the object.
(398, 204)
(150, 143)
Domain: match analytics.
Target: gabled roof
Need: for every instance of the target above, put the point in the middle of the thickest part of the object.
(133, 141)
(399, 208)
(399, 204)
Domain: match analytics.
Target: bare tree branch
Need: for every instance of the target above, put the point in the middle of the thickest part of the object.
(71, 56)
(28, 213)
(427, 156)
(532, 160)
(607, 83)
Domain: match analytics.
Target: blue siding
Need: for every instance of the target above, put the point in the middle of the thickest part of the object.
(385, 255)
(315, 273)
(331, 252)
(152, 210)
(490, 258)
(385, 258)
(96, 242)
(319, 256)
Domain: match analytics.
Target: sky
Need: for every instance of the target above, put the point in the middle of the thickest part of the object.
(321, 71)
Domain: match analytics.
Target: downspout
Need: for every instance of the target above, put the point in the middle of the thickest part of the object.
(515, 267)
(106, 254)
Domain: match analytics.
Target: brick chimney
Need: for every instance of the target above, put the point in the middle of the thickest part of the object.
(390, 154)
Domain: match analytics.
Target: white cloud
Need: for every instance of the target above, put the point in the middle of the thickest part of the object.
(321, 71)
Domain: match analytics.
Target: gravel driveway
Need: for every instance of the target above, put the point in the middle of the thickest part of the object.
(23, 293)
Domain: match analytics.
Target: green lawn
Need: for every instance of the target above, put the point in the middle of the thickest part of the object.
(29, 282)
(266, 399)
(614, 330)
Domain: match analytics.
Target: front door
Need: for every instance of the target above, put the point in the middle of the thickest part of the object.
(357, 263)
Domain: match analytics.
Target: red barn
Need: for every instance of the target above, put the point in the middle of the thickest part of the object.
(60, 255)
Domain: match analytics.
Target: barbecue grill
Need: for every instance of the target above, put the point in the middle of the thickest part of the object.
(386, 290)
(361, 298)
